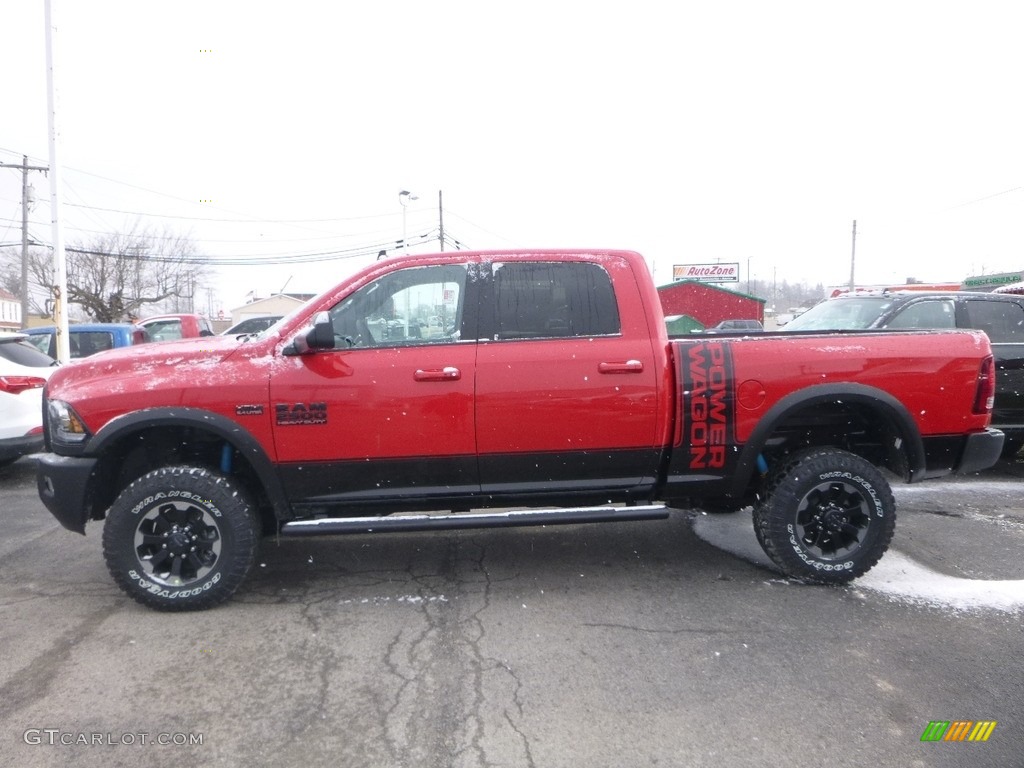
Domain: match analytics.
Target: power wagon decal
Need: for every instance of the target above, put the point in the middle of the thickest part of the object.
(707, 406)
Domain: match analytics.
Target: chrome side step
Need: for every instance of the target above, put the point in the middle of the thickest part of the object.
(446, 522)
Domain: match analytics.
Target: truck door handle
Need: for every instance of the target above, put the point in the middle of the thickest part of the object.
(630, 366)
(448, 373)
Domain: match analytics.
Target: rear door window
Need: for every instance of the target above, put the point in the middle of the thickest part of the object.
(541, 300)
(91, 342)
(930, 313)
(1003, 321)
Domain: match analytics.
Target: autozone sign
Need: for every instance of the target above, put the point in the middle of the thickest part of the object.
(707, 273)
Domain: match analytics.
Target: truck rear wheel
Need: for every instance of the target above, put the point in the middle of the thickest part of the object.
(827, 516)
(180, 539)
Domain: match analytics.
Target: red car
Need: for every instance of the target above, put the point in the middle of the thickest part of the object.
(171, 327)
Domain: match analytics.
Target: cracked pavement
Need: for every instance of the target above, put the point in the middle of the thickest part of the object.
(622, 644)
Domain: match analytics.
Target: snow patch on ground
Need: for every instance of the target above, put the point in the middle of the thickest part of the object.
(978, 486)
(896, 576)
(903, 578)
(735, 534)
(407, 599)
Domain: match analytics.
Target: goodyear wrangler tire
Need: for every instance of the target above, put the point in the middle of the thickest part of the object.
(180, 539)
(827, 516)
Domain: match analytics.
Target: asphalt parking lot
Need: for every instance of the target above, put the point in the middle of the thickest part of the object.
(661, 643)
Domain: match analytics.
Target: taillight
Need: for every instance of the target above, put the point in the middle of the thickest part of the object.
(14, 385)
(985, 394)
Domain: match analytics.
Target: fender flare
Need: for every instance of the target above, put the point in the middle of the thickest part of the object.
(875, 399)
(208, 421)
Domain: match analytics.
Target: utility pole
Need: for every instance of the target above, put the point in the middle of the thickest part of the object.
(60, 264)
(25, 202)
(853, 254)
(440, 220)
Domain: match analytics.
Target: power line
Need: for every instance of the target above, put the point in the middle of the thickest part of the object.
(261, 258)
(231, 221)
(442, 235)
(245, 218)
(482, 229)
(982, 199)
(369, 249)
(109, 230)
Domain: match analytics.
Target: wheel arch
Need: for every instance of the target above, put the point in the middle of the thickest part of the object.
(136, 443)
(864, 420)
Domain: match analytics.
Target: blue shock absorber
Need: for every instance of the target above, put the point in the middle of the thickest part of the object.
(225, 458)
(762, 465)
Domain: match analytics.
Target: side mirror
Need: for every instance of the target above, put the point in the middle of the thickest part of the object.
(320, 336)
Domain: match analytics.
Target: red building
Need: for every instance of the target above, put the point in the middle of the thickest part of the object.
(708, 304)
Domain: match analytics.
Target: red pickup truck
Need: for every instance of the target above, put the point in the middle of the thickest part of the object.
(174, 327)
(424, 387)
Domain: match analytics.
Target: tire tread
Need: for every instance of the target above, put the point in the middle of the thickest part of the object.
(240, 518)
(770, 522)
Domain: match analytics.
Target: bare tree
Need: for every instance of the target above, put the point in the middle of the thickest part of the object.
(112, 277)
(10, 277)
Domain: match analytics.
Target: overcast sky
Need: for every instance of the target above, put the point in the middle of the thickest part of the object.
(693, 132)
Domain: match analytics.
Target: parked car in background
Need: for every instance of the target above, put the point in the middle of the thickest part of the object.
(24, 371)
(999, 315)
(181, 326)
(252, 325)
(742, 326)
(86, 339)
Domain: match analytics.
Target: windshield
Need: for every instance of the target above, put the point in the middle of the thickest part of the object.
(842, 314)
(253, 325)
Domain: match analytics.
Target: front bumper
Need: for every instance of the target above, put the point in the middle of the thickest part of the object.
(63, 483)
(981, 451)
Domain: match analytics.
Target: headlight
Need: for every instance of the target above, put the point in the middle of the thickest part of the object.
(65, 425)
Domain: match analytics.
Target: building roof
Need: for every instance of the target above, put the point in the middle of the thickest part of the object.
(712, 286)
(298, 298)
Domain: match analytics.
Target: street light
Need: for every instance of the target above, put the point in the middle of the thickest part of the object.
(403, 198)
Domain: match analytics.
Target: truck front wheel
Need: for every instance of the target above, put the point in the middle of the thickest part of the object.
(180, 539)
(826, 516)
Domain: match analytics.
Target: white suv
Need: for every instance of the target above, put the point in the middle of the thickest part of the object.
(23, 374)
